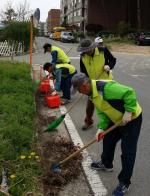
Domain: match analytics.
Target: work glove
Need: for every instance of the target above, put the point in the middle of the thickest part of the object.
(54, 93)
(47, 73)
(99, 135)
(106, 68)
(127, 117)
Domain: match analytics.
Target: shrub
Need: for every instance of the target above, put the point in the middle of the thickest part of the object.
(20, 32)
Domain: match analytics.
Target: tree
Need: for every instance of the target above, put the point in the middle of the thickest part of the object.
(23, 11)
(19, 32)
(8, 14)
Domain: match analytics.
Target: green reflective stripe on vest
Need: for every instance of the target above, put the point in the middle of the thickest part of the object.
(95, 65)
(61, 57)
(106, 108)
(70, 67)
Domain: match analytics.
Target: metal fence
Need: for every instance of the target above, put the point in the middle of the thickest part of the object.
(11, 48)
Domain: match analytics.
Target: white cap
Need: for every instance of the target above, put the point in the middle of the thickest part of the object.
(98, 40)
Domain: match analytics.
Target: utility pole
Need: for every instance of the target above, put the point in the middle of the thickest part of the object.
(83, 16)
(31, 39)
(73, 12)
(138, 15)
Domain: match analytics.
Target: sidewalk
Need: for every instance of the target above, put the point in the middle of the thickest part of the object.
(77, 186)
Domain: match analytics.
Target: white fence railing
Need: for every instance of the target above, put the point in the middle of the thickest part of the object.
(7, 49)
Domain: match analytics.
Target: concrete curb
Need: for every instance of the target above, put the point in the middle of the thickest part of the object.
(92, 176)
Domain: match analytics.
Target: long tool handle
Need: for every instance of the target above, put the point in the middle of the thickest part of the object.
(88, 144)
(74, 103)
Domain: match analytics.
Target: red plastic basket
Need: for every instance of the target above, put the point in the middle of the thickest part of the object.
(44, 86)
(53, 101)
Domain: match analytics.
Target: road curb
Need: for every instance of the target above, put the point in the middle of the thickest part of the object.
(92, 176)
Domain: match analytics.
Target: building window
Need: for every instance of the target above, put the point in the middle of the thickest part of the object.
(79, 12)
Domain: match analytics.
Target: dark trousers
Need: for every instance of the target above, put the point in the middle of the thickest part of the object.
(66, 85)
(89, 112)
(128, 135)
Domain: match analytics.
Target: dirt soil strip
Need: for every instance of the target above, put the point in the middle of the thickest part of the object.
(92, 176)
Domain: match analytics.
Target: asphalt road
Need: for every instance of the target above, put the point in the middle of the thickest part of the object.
(133, 70)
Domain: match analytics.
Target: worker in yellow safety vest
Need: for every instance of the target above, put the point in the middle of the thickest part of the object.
(63, 74)
(114, 103)
(58, 55)
(97, 63)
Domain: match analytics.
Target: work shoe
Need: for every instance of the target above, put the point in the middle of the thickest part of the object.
(62, 97)
(121, 190)
(65, 101)
(98, 165)
(87, 126)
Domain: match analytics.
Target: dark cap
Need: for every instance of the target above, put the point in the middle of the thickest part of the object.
(46, 46)
(86, 45)
(47, 65)
(77, 81)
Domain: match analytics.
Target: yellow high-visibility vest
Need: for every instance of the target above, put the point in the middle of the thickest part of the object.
(95, 66)
(113, 114)
(61, 57)
(71, 68)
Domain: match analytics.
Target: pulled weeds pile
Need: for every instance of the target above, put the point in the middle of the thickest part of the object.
(52, 151)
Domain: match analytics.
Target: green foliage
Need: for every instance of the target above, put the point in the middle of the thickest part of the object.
(17, 114)
(123, 28)
(94, 28)
(9, 15)
(20, 32)
(6, 149)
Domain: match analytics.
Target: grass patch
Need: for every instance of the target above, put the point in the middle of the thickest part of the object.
(118, 41)
(17, 130)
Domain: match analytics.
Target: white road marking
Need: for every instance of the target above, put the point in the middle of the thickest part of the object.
(92, 176)
(75, 57)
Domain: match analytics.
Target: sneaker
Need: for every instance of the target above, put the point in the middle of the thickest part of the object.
(62, 97)
(64, 102)
(87, 126)
(100, 166)
(121, 190)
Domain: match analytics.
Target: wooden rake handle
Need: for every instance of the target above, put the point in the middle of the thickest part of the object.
(88, 144)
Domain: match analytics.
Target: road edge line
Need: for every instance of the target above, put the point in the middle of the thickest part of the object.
(92, 176)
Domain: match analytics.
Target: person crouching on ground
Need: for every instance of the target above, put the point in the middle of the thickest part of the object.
(63, 74)
(114, 102)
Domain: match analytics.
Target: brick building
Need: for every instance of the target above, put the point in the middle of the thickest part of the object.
(107, 13)
(53, 19)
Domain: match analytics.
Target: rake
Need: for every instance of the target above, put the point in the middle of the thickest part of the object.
(56, 167)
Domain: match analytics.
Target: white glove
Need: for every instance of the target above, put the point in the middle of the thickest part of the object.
(106, 68)
(54, 93)
(127, 117)
(46, 73)
(99, 134)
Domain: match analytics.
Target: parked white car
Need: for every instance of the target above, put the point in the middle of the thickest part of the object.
(67, 36)
(51, 36)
